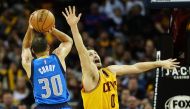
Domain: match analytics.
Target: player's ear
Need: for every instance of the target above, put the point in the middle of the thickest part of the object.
(48, 47)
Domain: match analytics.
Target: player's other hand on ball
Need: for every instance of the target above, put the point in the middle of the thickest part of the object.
(51, 30)
(169, 64)
(70, 15)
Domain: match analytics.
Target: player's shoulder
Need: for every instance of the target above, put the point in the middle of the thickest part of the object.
(58, 55)
(109, 70)
(54, 55)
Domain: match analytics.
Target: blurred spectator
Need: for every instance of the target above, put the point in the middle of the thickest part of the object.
(91, 43)
(132, 103)
(2, 53)
(125, 94)
(94, 19)
(134, 88)
(33, 106)
(8, 101)
(22, 106)
(21, 91)
(108, 61)
(161, 21)
(73, 85)
(127, 58)
(119, 53)
(104, 40)
(11, 74)
(150, 50)
(117, 21)
(110, 5)
(150, 97)
(148, 106)
(8, 21)
(1, 90)
(132, 3)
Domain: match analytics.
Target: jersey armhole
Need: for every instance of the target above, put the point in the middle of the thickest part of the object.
(32, 71)
(62, 69)
(83, 87)
(97, 85)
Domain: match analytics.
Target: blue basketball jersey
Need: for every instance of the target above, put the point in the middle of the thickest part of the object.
(48, 80)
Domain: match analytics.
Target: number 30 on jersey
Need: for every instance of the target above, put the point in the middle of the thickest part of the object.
(56, 84)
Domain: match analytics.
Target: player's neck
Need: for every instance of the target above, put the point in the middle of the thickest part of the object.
(39, 55)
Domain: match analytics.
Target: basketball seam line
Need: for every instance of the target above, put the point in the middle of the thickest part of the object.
(45, 20)
(49, 25)
(37, 24)
(31, 20)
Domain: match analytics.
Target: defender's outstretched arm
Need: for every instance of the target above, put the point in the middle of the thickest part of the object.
(89, 69)
(143, 67)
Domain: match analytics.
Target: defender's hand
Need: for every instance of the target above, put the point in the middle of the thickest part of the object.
(169, 64)
(70, 16)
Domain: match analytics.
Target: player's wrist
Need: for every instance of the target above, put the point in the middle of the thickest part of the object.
(52, 31)
(73, 25)
(158, 63)
(30, 29)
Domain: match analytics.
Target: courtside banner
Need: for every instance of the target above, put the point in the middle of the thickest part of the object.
(172, 90)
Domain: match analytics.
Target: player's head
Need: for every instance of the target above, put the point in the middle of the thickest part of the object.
(39, 44)
(95, 57)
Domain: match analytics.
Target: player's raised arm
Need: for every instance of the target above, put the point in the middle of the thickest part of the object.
(143, 67)
(26, 51)
(66, 43)
(89, 69)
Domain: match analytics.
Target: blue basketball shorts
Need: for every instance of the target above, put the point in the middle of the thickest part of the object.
(53, 106)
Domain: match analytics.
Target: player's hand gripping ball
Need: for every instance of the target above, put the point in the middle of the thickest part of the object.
(42, 20)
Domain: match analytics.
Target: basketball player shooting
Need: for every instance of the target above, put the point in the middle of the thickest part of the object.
(47, 71)
(99, 84)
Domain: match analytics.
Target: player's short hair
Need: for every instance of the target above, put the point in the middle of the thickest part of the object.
(39, 43)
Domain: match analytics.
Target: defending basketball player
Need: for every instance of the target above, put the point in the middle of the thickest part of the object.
(99, 84)
(47, 71)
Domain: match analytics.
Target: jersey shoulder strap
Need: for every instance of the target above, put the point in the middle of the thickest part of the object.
(107, 72)
(59, 62)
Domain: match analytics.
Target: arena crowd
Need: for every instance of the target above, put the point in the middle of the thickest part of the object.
(121, 31)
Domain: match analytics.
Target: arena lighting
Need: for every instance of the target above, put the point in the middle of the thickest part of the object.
(157, 1)
(167, 3)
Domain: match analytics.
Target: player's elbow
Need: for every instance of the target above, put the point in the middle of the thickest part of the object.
(23, 62)
(136, 69)
(71, 41)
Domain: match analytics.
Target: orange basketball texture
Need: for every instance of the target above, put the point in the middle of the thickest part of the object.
(42, 20)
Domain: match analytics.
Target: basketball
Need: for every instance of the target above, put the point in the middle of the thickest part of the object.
(42, 20)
